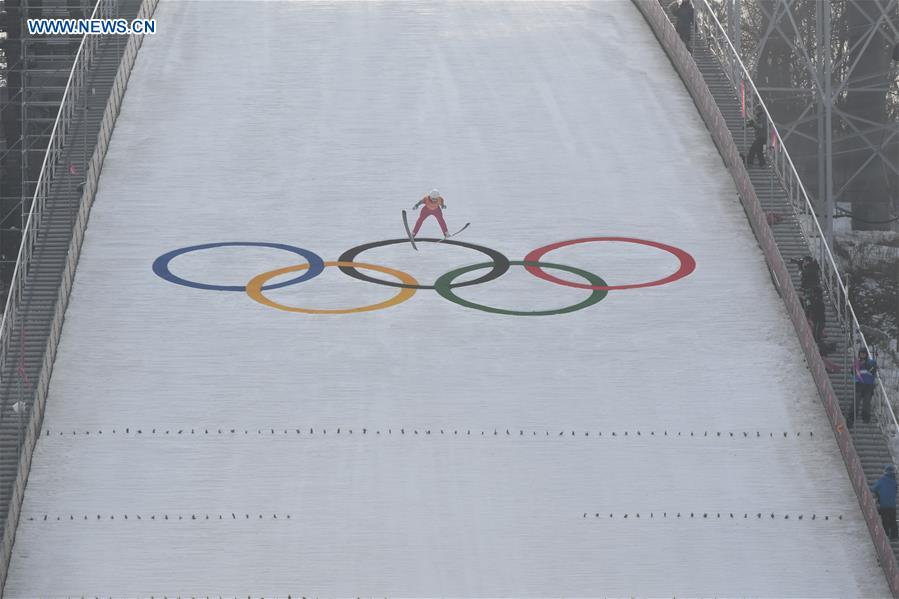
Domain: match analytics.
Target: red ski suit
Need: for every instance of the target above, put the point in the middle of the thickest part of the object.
(431, 208)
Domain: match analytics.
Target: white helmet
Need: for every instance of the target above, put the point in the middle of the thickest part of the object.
(434, 194)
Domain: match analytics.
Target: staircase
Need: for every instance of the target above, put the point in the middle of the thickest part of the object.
(868, 439)
(41, 289)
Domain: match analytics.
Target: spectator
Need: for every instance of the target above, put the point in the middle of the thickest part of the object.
(817, 316)
(885, 491)
(812, 297)
(809, 274)
(683, 24)
(865, 369)
(759, 123)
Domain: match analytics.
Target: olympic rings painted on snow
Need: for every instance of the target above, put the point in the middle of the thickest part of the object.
(687, 263)
(499, 262)
(408, 285)
(161, 264)
(255, 287)
(444, 288)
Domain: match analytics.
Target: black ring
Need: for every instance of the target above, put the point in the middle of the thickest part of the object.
(500, 262)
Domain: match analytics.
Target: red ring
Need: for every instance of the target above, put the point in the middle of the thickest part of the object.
(687, 263)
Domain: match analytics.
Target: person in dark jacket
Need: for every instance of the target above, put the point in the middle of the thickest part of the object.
(683, 24)
(885, 491)
(809, 273)
(759, 124)
(817, 315)
(865, 370)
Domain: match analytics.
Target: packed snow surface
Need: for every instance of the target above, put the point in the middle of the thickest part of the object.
(667, 440)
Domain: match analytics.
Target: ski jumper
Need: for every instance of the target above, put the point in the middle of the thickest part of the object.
(431, 208)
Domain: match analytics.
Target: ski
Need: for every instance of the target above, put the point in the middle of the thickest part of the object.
(408, 230)
(456, 233)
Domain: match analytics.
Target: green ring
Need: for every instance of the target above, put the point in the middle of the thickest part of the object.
(442, 286)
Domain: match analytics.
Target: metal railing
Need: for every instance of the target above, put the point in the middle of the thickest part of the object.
(711, 30)
(77, 79)
(75, 87)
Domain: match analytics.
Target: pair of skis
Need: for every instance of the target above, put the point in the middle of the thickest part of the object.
(412, 239)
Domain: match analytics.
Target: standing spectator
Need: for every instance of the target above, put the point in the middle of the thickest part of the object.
(812, 297)
(817, 315)
(759, 124)
(865, 372)
(885, 491)
(683, 24)
(809, 273)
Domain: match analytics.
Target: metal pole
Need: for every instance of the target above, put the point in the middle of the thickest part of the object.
(23, 120)
(829, 207)
(743, 124)
(819, 75)
(824, 114)
(851, 355)
(736, 34)
(84, 120)
(19, 414)
(771, 173)
(729, 15)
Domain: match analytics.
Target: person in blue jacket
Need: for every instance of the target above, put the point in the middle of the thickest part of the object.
(865, 370)
(885, 491)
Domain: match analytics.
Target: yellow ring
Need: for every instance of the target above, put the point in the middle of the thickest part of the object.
(254, 288)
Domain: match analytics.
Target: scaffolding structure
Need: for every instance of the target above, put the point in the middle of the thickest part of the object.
(828, 69)
(37, 68)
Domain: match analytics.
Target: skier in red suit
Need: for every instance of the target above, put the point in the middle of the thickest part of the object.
(433, 206)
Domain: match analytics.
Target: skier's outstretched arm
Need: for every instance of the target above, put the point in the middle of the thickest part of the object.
(418, 203)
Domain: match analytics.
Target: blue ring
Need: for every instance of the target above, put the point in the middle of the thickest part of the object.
(161, 265)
